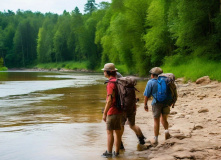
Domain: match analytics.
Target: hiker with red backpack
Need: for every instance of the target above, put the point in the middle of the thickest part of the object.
(163, 90)
(112, 115)
(124, 100)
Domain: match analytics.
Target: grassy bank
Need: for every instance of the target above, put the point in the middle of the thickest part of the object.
(77, 66)
(188, 67)
(65, 65)
(192, 68)
(3, 68)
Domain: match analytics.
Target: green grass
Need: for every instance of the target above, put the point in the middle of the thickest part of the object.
(66, 65)
(192, 68)
(3, 68)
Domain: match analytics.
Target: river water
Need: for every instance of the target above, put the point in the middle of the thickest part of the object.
(55, 116)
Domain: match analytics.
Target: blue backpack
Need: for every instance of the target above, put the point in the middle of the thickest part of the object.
(166, 89)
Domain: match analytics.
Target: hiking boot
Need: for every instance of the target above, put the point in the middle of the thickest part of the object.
(153, 142)
(122, 146)
(116, 154)
(142, 147)
(141, 139)
(167, 135)
(106, 154)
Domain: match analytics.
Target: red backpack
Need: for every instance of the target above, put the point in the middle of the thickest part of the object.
(126, 97)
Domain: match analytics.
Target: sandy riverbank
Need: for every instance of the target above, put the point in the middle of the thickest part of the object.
(195, 125)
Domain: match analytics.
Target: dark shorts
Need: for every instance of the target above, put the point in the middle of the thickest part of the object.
(130, 117)
(159, 109)
(114, 122)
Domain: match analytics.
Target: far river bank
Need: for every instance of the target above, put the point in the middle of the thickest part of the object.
(52, 69)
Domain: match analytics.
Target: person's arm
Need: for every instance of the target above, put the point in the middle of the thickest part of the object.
(147, 93)
(107, 107)
(146, 103)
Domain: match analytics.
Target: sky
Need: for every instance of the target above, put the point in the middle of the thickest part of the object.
(43, 6)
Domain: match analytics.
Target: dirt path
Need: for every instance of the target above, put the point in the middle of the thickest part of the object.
(195, 124)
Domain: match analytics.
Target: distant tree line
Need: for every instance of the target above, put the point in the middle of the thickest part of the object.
(137, 33)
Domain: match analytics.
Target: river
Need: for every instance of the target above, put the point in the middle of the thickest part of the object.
(55, 116)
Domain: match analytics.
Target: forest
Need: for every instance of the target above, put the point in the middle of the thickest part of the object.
(136, 35)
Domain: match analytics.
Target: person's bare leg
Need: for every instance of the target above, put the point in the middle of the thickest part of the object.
(110, 140)
(117, 140)
(156, 126)
(136, 129)
(156, 130)
(121, 135)
(165, 125)
(139, 133)
(164, 121)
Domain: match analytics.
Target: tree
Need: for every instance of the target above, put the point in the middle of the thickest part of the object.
(61, 38)
(1, 62)
(93, 54)
(76, 11)
(102, 35)
(193, 27)
(90, 6)
(1, 43)
(157, 39)
(45, 48)
(76, 35)
(220, 6)
(120, 33)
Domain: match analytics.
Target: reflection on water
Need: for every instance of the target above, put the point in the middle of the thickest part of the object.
(54, 116)
(13, 83)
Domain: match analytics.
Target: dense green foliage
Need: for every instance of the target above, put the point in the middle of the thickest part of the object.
(67, 65)
(134, 34)
(2, 68)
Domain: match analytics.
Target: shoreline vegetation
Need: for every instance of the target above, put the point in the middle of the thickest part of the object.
(188, 69)
(3, 68)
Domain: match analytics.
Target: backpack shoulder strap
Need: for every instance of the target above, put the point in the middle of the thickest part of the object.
(136, 89)
(107, 81)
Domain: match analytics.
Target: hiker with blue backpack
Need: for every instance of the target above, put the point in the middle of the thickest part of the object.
(163, 90)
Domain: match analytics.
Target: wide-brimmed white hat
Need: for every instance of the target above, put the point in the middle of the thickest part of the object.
(109, 67)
